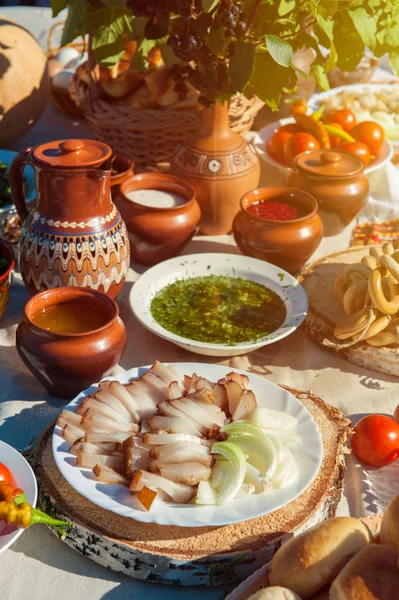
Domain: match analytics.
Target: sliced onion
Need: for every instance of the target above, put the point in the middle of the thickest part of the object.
(287, 472)
(262, 453)
(235, 477)
(272, 419)
(206, 494)
(245, 490)
(260, 482)
(285, 437)
(171, 438)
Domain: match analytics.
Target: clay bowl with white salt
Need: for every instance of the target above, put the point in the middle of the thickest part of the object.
(161, 215)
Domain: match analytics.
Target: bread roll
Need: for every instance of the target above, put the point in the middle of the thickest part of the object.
(311, 560)
(275, 593)
(324, 594)
(372, 574)
(390, 524)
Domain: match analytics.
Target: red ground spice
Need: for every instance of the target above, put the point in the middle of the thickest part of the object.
(273, 210)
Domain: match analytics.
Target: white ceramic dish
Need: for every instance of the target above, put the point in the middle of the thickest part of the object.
(24, 478)
(234, 265)
(263, 136)
(117, 498)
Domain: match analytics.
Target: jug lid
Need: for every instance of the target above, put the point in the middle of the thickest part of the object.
(73, 153)
(329, 163)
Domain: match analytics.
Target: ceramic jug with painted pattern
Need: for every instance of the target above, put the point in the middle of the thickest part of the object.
(74, 234)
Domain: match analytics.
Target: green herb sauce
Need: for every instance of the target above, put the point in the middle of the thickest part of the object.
(218, 309)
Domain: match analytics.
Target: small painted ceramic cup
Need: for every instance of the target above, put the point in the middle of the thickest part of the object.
(157, 233)
(287, 244)
(6, 253)
(67, 363)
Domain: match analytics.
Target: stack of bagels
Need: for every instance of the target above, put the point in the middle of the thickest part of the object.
(338, 560)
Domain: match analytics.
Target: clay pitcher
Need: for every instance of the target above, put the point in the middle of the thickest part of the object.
(221, 166)
(74, 235)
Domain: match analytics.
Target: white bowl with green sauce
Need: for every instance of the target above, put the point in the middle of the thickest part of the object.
(219, 304)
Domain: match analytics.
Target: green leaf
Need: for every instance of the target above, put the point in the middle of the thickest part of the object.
(300, 72)
(285, 7)
(109, 28)
(57, 6)
(268, 79)
(140, 58)
(168, 56)
(321, 78)
(114, 3)
(332, 58)
(348, 43)
(158, 28)
(241, 65)
(365, 25)
(138, 27)
(215, 39)
(202, 24)
(73, 22)
(391, 37)
(326, 26)
(394, 61)
(209, 5)
(280, 50)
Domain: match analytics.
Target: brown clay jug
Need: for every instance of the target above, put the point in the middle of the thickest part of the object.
(221, 166)
(74, 235)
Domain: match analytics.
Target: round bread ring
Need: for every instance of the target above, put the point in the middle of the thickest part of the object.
(359, 268)
(370, 262)
(385, 338)
(391, 265)
(388, 248)
(378, 298)
(378, 326)
(353, 325)
(340, 287)
(376, 253)
(354, 297)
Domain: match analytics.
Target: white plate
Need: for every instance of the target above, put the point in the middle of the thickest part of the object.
(263, 136)
(116, 498)
(234, 265)
(24, 478)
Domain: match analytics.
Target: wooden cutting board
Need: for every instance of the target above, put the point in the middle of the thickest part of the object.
(324, 312)
(194, 556)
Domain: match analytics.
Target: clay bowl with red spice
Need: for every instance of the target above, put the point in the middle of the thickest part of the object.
(158, 233)
(66, 355)
(279, 225)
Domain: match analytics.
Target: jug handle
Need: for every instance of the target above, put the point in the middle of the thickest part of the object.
(16, 183)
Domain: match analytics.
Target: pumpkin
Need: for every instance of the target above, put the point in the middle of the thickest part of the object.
(23, 81)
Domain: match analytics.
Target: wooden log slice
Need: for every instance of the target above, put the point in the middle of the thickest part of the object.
(324, 312)
(194, 556)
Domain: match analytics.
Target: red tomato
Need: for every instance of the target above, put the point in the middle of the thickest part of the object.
(5, 475)
(371, 134)
(276, 145)
(358, 149)
(335, 140)
(299, 142)
(396, 414)
(375, 440)
(344, 117)
(290, 127)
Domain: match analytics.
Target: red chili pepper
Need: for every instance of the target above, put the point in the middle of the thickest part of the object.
(273, 210)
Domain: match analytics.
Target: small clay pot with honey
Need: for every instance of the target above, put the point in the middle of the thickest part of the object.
(70, 338)
(279, 225)
(337, 180)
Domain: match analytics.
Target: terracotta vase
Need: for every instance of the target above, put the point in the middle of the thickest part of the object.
(66, 364)
(287, 244)
(155, 233)
(74, 234)
(221, 166)
(337, 180)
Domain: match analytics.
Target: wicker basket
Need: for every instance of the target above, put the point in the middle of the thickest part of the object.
(150, 136)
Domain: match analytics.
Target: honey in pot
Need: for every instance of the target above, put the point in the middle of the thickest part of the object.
(70, 318)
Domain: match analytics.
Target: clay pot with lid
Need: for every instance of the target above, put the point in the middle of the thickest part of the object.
(74, 234)
(67, 363)
(158, 233)
(287, 244)
(337, 180)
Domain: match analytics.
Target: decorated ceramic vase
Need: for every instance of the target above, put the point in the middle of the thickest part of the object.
(221, 166)
(74, 235)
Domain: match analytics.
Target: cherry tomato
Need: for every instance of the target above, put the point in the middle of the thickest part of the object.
(334, 139)
(291, 128)
(371, 134)
(299, 142)
(344, 117)
(276, 145)
(358, 149)
(375, 440)
(5, 474)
